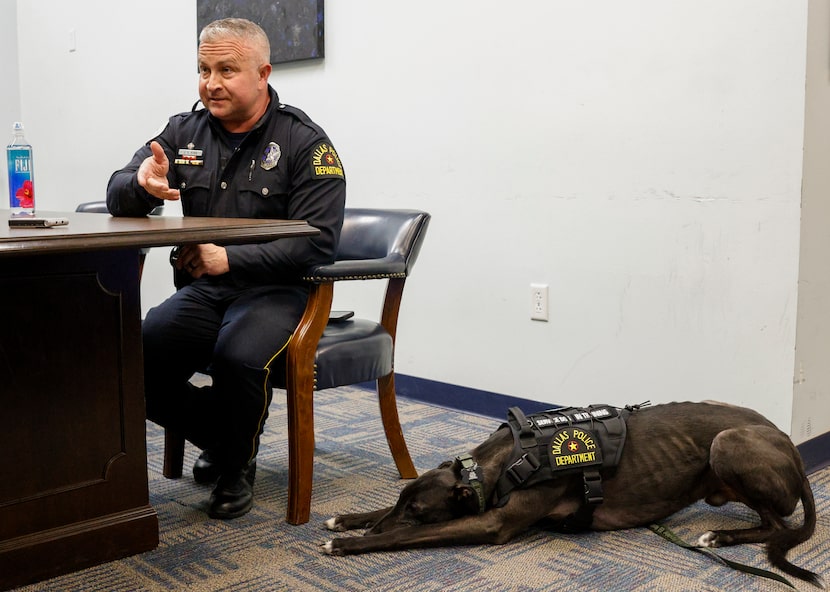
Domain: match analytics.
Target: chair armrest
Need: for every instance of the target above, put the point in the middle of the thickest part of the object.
(391, 266)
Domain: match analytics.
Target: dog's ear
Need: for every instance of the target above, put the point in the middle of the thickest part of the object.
(465, 498)
(445, 464)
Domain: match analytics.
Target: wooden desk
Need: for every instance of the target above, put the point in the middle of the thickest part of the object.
(73, 460)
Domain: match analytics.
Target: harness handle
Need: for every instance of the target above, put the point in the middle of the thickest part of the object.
(527, 437)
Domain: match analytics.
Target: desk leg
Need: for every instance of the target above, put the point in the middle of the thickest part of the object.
(73, 460)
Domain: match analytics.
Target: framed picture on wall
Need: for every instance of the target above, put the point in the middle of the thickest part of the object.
(294, 27)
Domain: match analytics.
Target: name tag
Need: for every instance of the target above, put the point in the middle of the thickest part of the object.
(191, 156)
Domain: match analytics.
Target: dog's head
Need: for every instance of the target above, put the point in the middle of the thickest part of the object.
(438, 495)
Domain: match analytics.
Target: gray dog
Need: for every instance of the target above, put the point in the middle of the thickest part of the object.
(660, 460)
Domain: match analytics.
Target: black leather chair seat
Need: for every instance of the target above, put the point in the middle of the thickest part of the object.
(350, 351)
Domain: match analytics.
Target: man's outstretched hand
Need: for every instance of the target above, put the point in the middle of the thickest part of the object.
(152, 174)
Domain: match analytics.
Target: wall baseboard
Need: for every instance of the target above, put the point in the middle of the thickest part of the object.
(815, 452)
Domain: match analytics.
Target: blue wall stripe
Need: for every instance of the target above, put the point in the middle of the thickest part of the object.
(814, 452)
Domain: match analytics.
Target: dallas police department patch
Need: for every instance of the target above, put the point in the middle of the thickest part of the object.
(325, 163)
(573, 447)
(271, 156)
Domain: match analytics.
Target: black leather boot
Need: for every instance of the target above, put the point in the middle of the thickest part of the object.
(206, 469)
(233, 495)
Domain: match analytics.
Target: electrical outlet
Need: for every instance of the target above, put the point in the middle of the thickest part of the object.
(539, 302)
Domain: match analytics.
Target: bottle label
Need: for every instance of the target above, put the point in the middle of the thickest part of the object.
(21, 183)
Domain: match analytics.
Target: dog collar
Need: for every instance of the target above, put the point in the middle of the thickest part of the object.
(469, 476)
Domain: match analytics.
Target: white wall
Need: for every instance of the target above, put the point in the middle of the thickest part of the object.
(643, 158)
(812, 372)
(9, 98)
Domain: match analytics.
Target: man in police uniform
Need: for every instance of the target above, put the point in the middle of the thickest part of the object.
(244, 155)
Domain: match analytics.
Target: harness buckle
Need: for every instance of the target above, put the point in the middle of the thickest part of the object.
(593, 487)
(521, 470)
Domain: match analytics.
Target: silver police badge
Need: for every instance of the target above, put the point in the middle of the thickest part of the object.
(271, 156)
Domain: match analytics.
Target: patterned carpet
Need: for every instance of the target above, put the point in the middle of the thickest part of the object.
(353, 472)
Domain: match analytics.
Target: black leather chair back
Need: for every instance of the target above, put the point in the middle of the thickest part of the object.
(392, 238)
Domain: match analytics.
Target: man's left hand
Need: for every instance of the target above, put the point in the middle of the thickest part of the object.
(207, 259)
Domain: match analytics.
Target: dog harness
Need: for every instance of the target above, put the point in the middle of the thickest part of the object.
(562, 442)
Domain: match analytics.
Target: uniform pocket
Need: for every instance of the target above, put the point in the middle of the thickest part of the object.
(263, 202)
(194, 183)
(264, 194)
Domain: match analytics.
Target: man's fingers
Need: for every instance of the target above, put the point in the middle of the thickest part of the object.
(158, 153)
(152, 174)
(169, 194)
(159, 188)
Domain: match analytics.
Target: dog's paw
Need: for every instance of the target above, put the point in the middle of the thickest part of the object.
(708, 539)
(329, 548)
(334, 524)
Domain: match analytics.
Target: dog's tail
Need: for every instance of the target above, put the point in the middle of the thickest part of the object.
(781, 541)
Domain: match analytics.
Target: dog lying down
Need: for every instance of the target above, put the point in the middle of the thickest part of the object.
(667, 457)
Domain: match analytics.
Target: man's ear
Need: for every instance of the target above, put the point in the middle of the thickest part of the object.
(265, 72)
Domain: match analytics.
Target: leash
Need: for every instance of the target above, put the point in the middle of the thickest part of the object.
(757, 571)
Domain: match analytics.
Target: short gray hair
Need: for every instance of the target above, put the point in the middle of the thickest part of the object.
(242, 29)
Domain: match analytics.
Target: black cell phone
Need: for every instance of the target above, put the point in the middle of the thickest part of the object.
(338, 316)
(37, 222)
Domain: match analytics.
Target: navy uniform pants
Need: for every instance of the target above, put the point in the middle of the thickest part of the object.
(236, 335)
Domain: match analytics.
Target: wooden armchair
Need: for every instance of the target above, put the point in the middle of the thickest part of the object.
(375, 244)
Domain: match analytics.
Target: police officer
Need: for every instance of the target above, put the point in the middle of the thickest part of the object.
(244, 154)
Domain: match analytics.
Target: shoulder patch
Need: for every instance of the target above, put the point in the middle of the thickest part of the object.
(325, 164)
